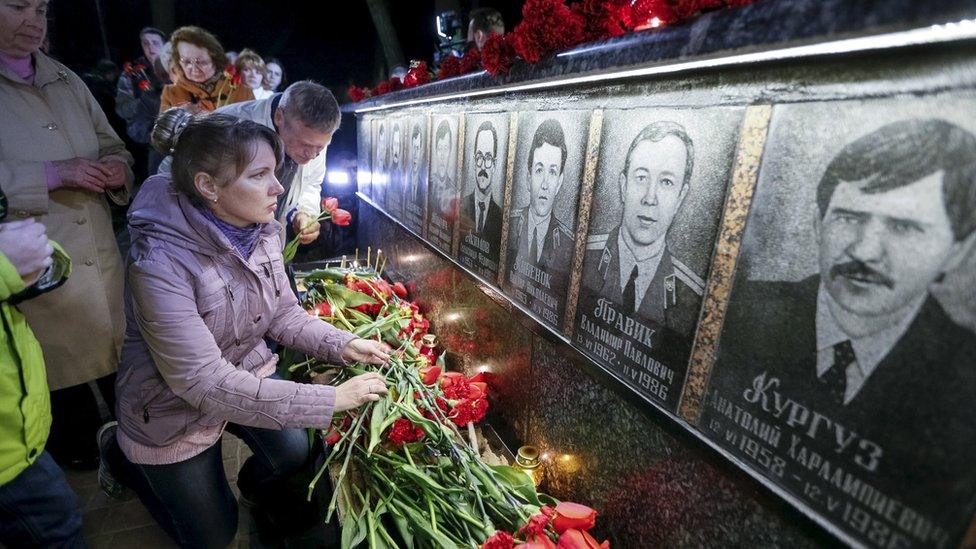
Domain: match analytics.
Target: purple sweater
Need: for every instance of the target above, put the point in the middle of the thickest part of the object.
(197, 314)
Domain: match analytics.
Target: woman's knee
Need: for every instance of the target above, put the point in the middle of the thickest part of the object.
(292, 452)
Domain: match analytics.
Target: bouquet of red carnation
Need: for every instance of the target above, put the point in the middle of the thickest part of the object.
(498, 54)
(357, 94)
(418, 75)
(450, 67)
(471, 61)
(547, 26)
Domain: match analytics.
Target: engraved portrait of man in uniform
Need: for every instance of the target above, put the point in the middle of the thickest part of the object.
(541, 235)
(632, 265)
(541, 239)
(884, 374)
(657, 202)
(443, 193)
(481, 211)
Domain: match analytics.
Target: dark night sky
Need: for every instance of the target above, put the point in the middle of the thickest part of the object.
(331, 42)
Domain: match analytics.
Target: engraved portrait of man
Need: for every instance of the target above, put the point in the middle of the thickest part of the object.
(443, 187)
(884, 376)
(540, 238)
(632, 265)
(481, 214)
(416, 159)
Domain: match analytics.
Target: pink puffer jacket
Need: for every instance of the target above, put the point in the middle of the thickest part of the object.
(197, 314)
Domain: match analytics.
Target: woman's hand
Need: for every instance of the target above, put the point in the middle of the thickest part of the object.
(366, 350)
(26, 247)
(359, 390)
(117, 169)
(81, 173)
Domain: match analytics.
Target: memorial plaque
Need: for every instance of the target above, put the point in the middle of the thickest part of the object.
(415, 178)
(381, 161)
(845, 370)
(485, 162)
(443, 191)
(398, 166)
(657, 204)
(549, 163)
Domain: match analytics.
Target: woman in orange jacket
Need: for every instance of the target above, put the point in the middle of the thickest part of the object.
(203, 83)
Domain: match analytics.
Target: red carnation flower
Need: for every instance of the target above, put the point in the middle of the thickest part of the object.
(144, 85)
(403, 431)
(418, 75)
(381, 88)
(471, 61)
(498, 54)
(535, 527)
(501, 540)
(604, 18)
(547, 26)
(395, 84)
(357, 94)
(450, 67)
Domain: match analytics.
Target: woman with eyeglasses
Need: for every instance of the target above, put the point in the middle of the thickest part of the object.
(202, 81)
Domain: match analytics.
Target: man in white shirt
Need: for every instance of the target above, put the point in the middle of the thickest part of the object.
(305, 116)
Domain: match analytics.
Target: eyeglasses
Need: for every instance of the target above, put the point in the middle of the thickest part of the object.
(485, 161)
(198, 63)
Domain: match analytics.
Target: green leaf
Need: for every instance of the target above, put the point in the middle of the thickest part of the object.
(421, 525)
(350, 528)
(424, 480)
(403, 527)
(335, 275)
(350, 298)
(517, 481)
(376, 424)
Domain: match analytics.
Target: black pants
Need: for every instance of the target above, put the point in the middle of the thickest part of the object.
(75, 419)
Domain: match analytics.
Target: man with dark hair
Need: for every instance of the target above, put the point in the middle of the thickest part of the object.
(540, 241)
(632, 265)
(482, 216)
(483, 23)
(443, 191)
(863, 344)
(305, 116)
(416, 162)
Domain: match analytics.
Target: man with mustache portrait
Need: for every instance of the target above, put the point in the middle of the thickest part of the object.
(482, 216)
(863, 345)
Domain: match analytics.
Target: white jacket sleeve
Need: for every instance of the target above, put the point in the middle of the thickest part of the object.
(310, 194)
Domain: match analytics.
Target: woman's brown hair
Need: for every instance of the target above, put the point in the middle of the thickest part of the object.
(219, 145)
(201, 39)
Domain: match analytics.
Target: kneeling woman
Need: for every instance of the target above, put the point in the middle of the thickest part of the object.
(206, 286)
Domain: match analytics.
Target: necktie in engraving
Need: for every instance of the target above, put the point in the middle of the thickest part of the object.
(835, 378)
(630, 292)
(481, 217)
(534, 250)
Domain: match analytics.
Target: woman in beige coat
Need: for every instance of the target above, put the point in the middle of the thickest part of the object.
(60, 163)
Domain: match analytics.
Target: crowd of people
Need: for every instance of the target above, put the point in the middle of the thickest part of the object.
(173, 338)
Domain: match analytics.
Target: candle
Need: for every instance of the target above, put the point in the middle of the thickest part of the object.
(369, 255)
(379, 252)
(343, 264)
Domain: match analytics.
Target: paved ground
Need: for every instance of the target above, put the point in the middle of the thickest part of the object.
(110, 523)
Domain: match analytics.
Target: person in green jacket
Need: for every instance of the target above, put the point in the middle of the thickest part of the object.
(37, 507)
